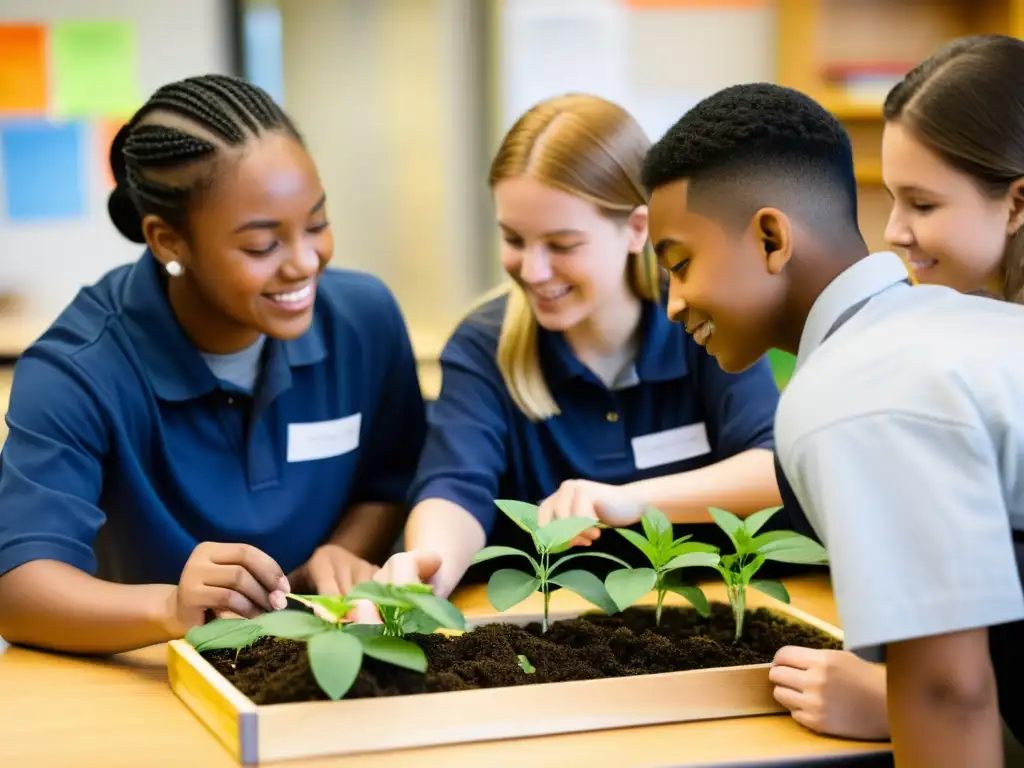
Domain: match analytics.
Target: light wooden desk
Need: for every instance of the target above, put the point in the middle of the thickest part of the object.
(60, 711)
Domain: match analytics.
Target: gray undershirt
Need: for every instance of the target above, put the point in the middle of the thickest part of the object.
(240, 368)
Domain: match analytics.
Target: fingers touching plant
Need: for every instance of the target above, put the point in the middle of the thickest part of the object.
(509, 587)
(753, 550)
(336, 647)
(667, 556)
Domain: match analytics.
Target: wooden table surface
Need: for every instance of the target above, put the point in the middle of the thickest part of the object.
(91, 713)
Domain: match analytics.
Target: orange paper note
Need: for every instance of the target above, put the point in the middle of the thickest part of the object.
(106, 130)
(22, 70)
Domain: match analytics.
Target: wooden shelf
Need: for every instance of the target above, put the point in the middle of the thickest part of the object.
(850, 110)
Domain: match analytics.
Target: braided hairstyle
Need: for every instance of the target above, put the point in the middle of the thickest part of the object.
(755, 145)
(166, 153)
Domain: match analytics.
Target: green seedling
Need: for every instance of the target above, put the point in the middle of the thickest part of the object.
(335, 646)
(409, 608)
(667, 556)
(753, 550)
(525, 665)
(509, 587)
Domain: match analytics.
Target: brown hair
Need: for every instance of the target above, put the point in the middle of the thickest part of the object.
(590, 148)
(966, 104)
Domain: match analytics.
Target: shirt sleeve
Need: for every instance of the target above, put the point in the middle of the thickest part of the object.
(739, 406)
(465, 453)
(912, 512)
(396, 431)
(51, 468)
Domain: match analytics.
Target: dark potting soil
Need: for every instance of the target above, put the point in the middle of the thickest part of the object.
(274, 671)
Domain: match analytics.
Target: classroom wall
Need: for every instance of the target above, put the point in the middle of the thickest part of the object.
(50, 259)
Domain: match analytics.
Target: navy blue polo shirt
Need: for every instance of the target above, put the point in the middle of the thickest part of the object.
(481, 447)
(125, 451)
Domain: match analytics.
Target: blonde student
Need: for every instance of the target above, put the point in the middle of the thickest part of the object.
(953, 161)
(572, 388)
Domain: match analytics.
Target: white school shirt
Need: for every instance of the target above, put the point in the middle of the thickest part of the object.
(902, 436)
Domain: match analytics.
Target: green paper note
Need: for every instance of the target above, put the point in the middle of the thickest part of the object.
(95, 69)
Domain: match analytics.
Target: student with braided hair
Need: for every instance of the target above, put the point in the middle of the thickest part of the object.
(207, 428)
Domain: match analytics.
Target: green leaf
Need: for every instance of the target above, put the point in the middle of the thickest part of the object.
(604, 555)
(642, 544)
(334, 659)
(440, 610)
(685, 547)
(364, 631)
(657, 528)
(525, 665)
(379, 594)
(771, 588)
(754, 522)
(791, 547)
(748, 571)
(727, 521)
(695, 596)
(291, 625)
(692, 560)
(489, 553)
(744, 542)
(522, 514)
(221, 634)
(417, 622)
(395, 650)
(627, 586)
(508, 587)
(559, 533)
(589, 587)
(335, 605)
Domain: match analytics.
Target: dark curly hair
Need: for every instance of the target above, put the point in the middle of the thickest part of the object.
(755, 145)
(167, 152)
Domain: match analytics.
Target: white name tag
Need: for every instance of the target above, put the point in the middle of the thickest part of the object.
(323, 439)
(670, 446)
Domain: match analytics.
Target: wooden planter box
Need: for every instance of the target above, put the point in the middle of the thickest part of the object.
(261, 734)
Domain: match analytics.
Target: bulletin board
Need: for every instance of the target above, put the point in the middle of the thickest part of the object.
(71, 73)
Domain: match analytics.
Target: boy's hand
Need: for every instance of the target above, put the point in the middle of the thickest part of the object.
(608, 504)
(417, 566)
(832, 692)
(331, 570)
(234, 578)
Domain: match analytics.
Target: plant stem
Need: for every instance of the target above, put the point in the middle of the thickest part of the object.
(546, 589)
(661, 598)
(738, 600)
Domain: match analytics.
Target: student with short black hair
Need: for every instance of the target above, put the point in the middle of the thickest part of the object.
(898, 434)
(570, 388)
(218, 423)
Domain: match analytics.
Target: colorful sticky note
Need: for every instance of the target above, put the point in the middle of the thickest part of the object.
(95, 68)
(22, 69)
(42, 170)
(106, 130)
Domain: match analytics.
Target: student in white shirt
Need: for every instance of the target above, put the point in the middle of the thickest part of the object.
(901, 432)
(956, 177)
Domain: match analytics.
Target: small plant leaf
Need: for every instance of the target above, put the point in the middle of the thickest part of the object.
(221, 634)
(642, 544)
(559, 533)
(508, 587)
(525, 665)
(489, 553)
(522, 514)
(395, 650)
(694, 596)
(336, 606)
(692, 559)
(627, 586)
(790, 547)
(771, 588)
(748, 570)
(657, 528)
(588, 586)
(727, 521)
(334, 659)
(754, 522)
(417, 622)
(604, 555)
(379, 594)
(685, 547)
(364, 631)
(291, 625)
(743, 541)
(440, 610)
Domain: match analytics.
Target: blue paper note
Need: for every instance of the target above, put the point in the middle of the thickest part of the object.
(43, 171)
